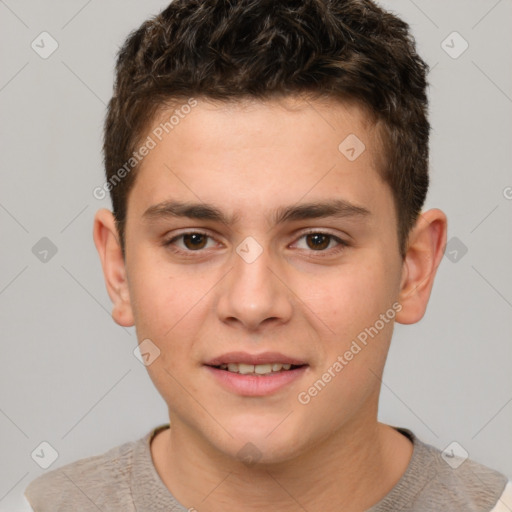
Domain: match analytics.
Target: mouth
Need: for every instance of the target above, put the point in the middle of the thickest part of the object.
(258, 370)
(265, 373)
(256, 380)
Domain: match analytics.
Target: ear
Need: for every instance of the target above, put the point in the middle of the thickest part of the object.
(107, 243)
(427, 242)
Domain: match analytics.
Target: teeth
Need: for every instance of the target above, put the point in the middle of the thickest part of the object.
(255, 369)
(261, 369)
(245, 368)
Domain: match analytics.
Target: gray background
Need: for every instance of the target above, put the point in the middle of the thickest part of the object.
(69, 376)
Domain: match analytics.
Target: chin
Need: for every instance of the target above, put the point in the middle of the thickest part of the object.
(261, 442)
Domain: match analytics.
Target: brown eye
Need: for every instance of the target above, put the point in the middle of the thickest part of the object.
(318, 241)
(194, 240)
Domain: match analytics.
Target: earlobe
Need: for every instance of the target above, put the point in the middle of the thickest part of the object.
(107, 244)
(427, 242)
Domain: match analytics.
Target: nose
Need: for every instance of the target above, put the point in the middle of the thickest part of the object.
(254, 293)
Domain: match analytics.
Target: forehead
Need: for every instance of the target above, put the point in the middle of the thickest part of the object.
(257, 152)
(271, 122)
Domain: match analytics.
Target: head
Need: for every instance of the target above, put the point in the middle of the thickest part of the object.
(299, 131)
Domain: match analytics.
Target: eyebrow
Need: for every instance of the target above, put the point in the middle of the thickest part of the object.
(337, 208)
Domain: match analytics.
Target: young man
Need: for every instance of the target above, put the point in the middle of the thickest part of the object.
(268, 163)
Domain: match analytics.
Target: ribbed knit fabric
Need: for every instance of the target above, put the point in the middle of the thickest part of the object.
(125, 479)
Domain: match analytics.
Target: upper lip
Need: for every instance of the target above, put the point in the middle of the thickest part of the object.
(261, 358)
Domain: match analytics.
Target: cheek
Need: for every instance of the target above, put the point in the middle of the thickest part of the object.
(355, 353)
(350, 298)
(166, 307)
(350, 303)
(162, 298)
(169, 306)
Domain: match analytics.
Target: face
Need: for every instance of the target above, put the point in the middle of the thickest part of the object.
(289, 245)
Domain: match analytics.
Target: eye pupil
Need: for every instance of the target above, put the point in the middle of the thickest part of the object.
(317, 237)
(193, 237)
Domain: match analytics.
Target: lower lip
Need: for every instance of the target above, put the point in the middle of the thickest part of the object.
(253, 385)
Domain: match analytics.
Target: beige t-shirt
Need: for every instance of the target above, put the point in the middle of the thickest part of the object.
(125, 479)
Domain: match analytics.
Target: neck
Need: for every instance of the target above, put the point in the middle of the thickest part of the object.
(351, 470)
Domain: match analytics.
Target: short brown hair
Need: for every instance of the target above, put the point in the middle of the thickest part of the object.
(234, 49)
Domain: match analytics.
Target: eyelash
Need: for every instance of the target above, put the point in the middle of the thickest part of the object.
(342, 244)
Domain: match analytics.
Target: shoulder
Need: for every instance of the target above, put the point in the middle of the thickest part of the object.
(449, 481)
(91, 483)
(471, 486)
(504, 503)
